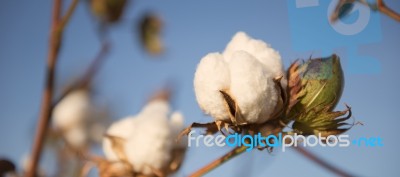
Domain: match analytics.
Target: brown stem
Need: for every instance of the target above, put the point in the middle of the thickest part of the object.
(381, 7)
(94, 66)
(214, 164)
(68, 14)
(45, 110)
(87, 77)
(321, 162)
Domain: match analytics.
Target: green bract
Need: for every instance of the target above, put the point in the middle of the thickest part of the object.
(314, 89)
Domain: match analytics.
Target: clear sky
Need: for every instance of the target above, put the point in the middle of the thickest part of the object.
(193, 29)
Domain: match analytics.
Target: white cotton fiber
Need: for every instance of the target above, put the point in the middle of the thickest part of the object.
(251, 87)
(212, 75)
(245, 70)
(149, 137)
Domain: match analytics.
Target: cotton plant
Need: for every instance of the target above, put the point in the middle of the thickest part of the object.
(79, 120)
(246, 90)
(144, 144)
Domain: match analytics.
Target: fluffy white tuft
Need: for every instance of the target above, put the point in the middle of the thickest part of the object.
(75, 116)
(252, 87)
(73, 110)
(212, 75)
(262, 51)
(123, 128)
(76, 136)
(150, 146)
(149, 137)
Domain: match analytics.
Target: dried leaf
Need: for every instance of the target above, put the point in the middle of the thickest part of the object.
(117, 145)
(178, 154)
(294, 86)
(234, 110)
(211, 128)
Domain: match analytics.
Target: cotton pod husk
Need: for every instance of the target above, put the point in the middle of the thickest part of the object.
(108, 11)
(150, 27)
(314, 89)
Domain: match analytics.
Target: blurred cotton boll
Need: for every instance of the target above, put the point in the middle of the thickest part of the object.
(146, 141)
(246, 72)
(73, 110)
(78, 119)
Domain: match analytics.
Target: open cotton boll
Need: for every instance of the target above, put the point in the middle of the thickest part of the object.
(73, 110)
(212, 75)
(151, 144)
(252, 87)
(123, 128)
(262, 51)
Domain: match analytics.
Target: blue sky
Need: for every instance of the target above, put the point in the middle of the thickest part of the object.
(193, 29)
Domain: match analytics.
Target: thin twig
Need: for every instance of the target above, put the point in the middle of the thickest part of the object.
(387, 11)
(68, 14)
(95, 65)
(321, 162)
(380, 6)
(87, 77)
(45, 111)
(214, 164)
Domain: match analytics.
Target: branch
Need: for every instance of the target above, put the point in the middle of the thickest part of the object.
(321, 162)
(45, 110)
(387, 11)
(87, 77)
(68, 15)
(379, 6)
(214, 164)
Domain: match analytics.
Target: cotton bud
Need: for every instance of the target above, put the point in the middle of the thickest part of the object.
(321, 82)
(108, 10)
(147, 140)
(241, 82)
(150, 30)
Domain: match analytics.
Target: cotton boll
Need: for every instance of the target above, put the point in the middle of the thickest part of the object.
(252, 87)
(73, 110)
(151, 144)
(263, 52)
(212, 75)
(123, 128)
(76, 137)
